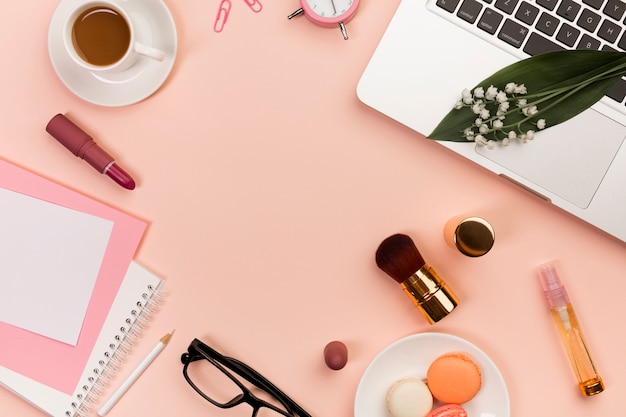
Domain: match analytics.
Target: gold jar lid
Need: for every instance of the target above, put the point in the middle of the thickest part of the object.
(474, 236)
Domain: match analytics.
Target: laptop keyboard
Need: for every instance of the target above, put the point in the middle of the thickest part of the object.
(538, 26)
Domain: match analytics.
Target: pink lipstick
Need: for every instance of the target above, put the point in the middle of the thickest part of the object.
(83, 146)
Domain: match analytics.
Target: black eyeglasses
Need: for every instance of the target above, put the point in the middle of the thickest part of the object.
(217, 378)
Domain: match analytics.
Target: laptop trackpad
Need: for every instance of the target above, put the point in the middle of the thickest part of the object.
(568, 160)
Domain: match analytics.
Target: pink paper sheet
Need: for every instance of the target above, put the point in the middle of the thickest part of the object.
(48, 361)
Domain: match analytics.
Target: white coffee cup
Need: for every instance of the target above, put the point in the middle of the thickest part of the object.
(101, 36)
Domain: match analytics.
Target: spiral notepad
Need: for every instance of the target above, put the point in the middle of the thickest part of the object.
(136, 302)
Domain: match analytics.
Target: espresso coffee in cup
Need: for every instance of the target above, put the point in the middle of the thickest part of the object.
(101, 35)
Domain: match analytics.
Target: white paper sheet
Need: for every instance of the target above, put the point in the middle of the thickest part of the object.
(50, 257)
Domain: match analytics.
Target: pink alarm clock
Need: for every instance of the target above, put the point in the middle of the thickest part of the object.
(328, 13)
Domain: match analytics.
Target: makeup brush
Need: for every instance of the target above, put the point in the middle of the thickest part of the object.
(399, 258)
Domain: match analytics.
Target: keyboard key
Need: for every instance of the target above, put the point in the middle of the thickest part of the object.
(537, 44)
(609, 31)
(622, 42)
(448, 5)
(596, 4)
(507, 6)
(568, 35)
(548, 4)
(589, 20)
(618, 92)
(587, 42)
(513, 33)
(489, 21)
(527, 13)
(469, 11)
(548, 24)
(568, 9)
(615, 9)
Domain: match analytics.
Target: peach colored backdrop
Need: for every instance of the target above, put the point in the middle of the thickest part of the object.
(268, 187)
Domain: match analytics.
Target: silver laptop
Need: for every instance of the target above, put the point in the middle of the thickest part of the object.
(433, 49)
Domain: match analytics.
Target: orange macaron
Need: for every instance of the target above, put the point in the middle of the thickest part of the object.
(454, 378)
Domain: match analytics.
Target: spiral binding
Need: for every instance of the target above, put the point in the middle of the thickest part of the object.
(113, 358)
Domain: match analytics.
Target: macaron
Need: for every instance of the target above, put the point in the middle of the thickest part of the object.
(448, 410)
(454, 378)
(408, 397)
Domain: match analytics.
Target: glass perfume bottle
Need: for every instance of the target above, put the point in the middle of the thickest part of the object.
(570, 332)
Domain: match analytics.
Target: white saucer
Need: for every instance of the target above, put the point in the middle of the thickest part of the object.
(123, 88)
(411, 357)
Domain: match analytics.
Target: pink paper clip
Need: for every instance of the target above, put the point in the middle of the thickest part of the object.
(255, 5)
(222, 16)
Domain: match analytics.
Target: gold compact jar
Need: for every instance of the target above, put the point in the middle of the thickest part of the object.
(472, 236)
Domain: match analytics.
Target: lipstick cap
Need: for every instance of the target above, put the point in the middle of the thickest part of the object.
(77, 141)
(69, 134)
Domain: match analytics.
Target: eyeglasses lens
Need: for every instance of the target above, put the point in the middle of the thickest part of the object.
(216, 385)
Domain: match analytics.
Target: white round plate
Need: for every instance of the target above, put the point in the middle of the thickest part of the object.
(411, 357)
(126, 87)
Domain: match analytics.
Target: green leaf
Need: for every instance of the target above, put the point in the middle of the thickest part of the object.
(594, 72)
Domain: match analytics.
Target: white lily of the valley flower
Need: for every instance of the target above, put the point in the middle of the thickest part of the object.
(466, 96)
(530, 110)
(477, 108)
(491, 93)
(521, 89)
